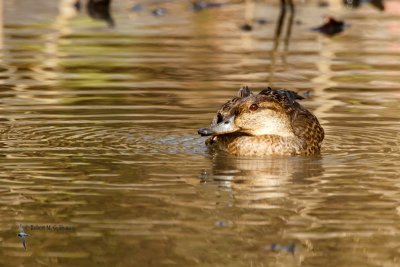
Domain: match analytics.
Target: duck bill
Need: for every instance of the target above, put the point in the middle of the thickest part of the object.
(224, 127)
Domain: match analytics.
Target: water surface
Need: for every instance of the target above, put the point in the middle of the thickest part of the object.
(98, 135)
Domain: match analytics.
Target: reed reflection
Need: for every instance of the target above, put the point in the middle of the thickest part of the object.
(285, 5)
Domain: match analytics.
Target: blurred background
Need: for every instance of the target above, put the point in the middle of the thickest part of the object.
(100, 102)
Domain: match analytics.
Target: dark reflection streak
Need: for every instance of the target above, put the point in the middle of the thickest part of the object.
(281, 20)
(289, 26)
(278, 31)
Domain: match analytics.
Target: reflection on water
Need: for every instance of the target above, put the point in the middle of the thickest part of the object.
(98, 134)
(235, 172)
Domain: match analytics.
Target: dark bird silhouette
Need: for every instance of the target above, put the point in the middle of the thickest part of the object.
(22, 235)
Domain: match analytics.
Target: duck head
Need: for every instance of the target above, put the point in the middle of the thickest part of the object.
(265, 113)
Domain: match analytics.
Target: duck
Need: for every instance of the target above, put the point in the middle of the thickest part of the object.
(271, 122)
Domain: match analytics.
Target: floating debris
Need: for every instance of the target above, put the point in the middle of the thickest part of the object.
(307, 94)
(200, 5)
(137, 8)
(289, 248)
(246, 27)
(159, 12)
(331, 26)
(204, 175)
(223, 223)
(262, 21)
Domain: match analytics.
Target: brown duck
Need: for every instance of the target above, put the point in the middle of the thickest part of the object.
(269, 123)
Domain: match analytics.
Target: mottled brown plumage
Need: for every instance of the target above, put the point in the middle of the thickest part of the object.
(271, 122)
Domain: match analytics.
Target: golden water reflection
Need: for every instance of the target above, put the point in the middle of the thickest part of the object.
(98, 132)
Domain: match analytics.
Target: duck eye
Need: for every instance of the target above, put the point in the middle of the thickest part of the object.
(253, 107)
(219, 118)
